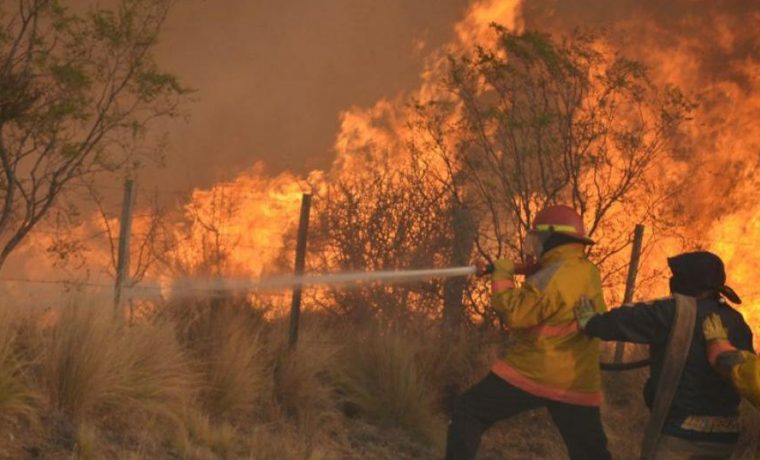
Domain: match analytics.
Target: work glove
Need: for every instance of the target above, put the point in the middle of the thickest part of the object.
(723, 356)
(584, 311)
(503, 269)
(527, 268)
(713, 329)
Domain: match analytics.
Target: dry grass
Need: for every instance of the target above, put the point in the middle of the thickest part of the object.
(286, 442)
(98, 374)
(304, 377)
(19, 400)
(383, 380)
(226, 345)
(209, 380)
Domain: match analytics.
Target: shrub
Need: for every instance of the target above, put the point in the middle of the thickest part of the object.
(383, 381)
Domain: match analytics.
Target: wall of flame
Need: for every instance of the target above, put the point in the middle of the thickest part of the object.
(708, 50)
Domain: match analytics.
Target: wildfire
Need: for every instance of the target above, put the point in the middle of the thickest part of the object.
(243, 226)
(709, 55)
(475, 27)
(240, 227)
(716, 169)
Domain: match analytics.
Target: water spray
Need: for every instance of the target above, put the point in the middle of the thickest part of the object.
(219, 285)
(189, 285)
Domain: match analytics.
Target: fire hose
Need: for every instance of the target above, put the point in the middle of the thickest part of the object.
(349, 278)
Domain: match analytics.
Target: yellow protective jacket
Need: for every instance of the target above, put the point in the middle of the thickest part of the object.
(548, 355)
(745, 376)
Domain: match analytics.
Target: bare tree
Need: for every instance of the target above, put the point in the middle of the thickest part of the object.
(146, 240)
(202, 244)
(77, 93)
(533, 121)
(89, 244)
(386, 217)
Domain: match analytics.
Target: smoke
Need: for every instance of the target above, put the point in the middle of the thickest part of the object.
(300, 86)
(272, 77)
(711, 50)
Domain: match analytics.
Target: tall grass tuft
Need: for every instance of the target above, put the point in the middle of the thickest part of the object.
(19, 399)
(130, 380)
(224, 338)
(384, 381)
(304, 376)
(79, 360)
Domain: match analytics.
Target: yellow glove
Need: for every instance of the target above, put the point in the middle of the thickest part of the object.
(722, 356)
(584, 310)
(503, 269)
(713, 328)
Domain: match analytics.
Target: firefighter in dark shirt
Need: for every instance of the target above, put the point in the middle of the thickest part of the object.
(703, 419)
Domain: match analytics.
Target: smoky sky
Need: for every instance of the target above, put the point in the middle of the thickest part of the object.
(271, 77)
(700, 25)
(721, 40)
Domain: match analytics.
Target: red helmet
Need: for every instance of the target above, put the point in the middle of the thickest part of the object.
(561, 219)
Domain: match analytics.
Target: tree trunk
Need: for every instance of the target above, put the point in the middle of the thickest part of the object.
(463, 242)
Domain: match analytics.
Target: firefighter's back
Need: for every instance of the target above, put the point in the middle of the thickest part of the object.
(548, 355)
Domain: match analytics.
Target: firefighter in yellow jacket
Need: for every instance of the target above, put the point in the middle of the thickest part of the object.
(742, 368)
(549, 362)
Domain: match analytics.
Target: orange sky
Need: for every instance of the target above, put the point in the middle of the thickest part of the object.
(272, 77)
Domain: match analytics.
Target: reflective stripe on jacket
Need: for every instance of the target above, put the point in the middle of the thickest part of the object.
(548, 355)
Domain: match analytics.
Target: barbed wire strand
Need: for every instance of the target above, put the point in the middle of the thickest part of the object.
(158, 288)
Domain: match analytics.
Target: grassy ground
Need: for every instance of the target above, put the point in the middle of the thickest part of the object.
(213, 380)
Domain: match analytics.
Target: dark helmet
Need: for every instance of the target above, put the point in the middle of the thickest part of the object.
(697, 272)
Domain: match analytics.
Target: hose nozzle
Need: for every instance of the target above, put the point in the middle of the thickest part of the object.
(527, 268)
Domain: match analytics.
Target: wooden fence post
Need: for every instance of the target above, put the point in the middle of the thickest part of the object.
(295, 307)
(630, 282)
(125, 228)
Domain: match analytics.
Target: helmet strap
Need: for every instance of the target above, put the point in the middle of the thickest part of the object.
(553, 240)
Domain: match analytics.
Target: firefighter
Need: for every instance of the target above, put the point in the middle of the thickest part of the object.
(739, 367)
(702, 421)
(548, 362)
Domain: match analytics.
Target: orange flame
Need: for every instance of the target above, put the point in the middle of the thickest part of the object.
(251, 217)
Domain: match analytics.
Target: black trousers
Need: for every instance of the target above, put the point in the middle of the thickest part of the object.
(493, 399)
